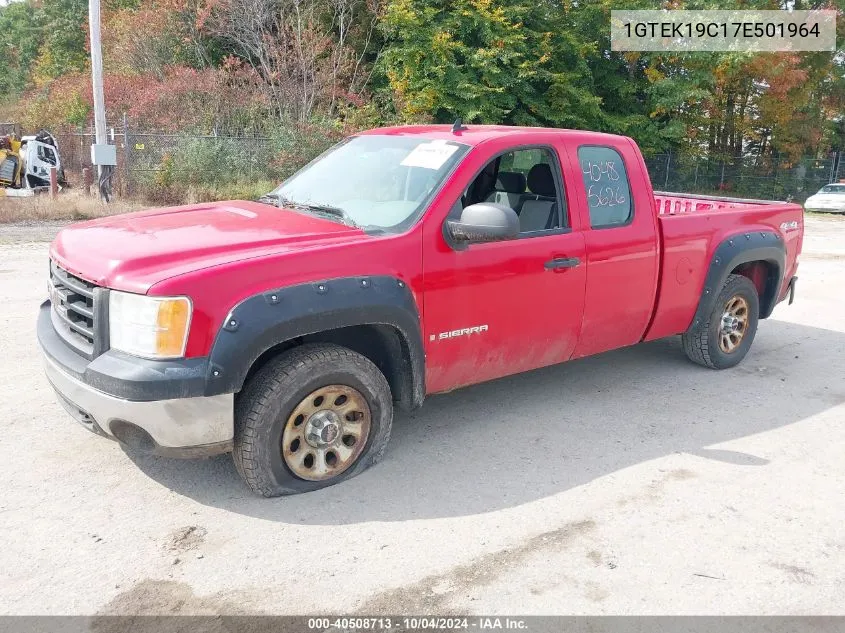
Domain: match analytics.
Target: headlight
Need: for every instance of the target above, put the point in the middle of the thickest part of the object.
(150, 327)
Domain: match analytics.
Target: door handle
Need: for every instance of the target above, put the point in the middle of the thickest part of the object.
(561, 262)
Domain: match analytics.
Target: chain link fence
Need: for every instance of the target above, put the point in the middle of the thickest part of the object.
(768, 178)
(176, 167)
(149, 161)
(194, 160)
(146, 160)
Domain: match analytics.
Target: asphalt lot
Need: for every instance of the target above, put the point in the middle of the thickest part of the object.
(629, 483)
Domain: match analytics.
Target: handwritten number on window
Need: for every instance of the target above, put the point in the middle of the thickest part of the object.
(600, 196)
(602, 169)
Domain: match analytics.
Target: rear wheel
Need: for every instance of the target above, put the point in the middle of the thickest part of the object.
(725, 338)
(310, 418)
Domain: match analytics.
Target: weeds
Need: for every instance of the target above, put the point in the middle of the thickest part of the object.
(70, 205)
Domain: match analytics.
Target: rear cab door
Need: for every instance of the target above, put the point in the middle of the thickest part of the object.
(615, 202)
(505, 307)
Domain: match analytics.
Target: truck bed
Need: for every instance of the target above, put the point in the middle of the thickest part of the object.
(691, 228)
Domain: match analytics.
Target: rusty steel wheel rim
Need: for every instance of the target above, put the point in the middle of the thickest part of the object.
(326, 432)
(734, 324)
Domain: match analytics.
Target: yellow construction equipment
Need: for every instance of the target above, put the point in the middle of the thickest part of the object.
(10, 161)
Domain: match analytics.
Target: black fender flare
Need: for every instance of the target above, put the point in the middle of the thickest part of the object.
(742, 248)
(264, 321)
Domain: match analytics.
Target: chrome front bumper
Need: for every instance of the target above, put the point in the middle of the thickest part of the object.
(181, 427)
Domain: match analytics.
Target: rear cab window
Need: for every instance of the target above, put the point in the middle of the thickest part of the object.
(606, 185)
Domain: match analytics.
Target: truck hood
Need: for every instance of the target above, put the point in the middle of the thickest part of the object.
(134, 251)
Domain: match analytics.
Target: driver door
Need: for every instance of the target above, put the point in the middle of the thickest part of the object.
(501, 308)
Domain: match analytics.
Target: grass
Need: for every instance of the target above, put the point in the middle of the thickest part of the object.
(158, 195)
(69, 205)
(73, 205)
(233, 191)
(831, 217)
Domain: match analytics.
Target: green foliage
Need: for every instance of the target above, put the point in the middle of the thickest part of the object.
(41, 41)
(220, 168)
(21, 32)
(227, 160)
(294, 145)
(77, 111)
(63, 50)
(241, 190)
(153, 191)
(507, 61)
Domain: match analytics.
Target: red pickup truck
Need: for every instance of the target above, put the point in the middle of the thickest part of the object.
(403, 262)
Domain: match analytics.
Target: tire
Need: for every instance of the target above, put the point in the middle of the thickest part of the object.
(264, 419)
(704, 345)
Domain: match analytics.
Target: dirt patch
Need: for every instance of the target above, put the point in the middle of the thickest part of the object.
(595, 593)
(29, 232)
(153, 606)
(681, 474)
(796, 574)
(433, 594)
(164, 597)
(185, 539)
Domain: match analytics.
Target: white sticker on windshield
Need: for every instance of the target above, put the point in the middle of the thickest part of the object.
(430, 155)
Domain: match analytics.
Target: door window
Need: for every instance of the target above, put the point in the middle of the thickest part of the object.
(46, 154)
(526, 180)
(606, 184)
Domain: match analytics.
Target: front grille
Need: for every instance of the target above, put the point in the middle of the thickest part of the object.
(76, 304)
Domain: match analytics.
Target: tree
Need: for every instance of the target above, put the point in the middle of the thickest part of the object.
(65, 36)
(148, 37)
(496, 61)
(22, 36)
(302, 49)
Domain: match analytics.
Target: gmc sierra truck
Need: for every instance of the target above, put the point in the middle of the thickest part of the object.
(403, 262)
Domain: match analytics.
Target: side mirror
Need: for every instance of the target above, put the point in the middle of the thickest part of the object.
(484, 222)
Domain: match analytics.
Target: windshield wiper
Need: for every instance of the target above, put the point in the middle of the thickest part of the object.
(323, 209)
(269, 198)
(330, 210)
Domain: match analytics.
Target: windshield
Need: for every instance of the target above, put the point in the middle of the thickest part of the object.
(832, 189)
(372, 181)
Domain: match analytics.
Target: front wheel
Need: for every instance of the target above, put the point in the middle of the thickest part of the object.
(725, 338)
(310, 418)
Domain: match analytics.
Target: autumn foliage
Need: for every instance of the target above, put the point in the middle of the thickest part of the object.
(331, 66)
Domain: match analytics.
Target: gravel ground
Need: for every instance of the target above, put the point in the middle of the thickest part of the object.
(629, 483)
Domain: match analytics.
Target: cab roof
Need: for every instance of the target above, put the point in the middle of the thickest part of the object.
(476, 134)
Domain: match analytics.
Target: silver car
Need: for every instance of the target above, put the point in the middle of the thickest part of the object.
(829, 199)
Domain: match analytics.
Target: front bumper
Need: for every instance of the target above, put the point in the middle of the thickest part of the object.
(133, 414)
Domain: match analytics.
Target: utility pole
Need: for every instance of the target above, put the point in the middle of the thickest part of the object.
(102, 155)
